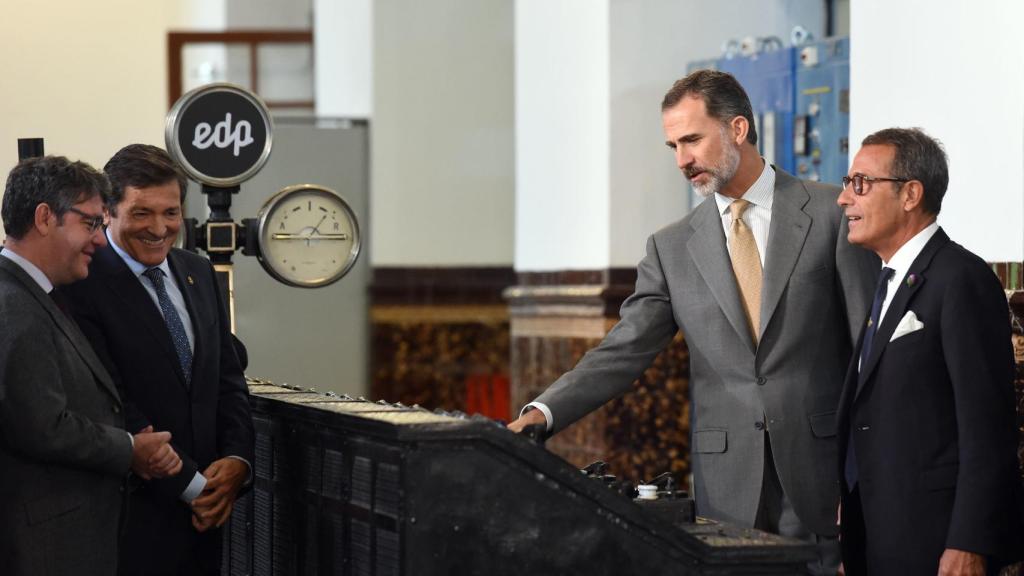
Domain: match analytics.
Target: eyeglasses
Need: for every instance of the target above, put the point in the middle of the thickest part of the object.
(858, 181)
(91, 220)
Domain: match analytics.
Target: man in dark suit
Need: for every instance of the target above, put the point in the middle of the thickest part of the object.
(761, 280)
(64, 453)
(157, 320)
(926, 420)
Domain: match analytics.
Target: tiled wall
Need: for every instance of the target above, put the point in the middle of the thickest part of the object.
(440, 338)
(1011, 274)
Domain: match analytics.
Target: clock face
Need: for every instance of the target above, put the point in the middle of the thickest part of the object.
(308, 236)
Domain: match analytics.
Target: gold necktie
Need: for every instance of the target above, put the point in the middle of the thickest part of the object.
(746, 264)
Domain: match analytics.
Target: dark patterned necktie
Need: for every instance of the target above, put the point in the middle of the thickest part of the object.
(865, 351)
(173, 321)
(876, 309)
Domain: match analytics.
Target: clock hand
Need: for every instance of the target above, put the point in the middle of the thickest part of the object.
(320, 236)
(316, 229)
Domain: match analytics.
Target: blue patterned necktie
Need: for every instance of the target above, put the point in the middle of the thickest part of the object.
(865, 351)
(173, 321)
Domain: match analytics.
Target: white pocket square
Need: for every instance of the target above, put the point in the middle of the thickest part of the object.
(909, 323)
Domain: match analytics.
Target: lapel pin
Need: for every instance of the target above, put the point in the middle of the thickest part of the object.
(870, 322)
(911, 280)
(190, 280)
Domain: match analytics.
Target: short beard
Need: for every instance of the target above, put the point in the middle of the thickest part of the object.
(722, 172)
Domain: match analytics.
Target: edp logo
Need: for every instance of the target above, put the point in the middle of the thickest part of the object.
(222, 135)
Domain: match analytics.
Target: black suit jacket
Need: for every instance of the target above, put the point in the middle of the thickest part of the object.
(63, 452)
(933, 417)
(208, 418)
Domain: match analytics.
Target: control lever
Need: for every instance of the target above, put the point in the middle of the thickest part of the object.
(666, 484)
(661, 498)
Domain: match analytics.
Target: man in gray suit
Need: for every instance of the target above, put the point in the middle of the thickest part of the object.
(64, 454)
(770, 295)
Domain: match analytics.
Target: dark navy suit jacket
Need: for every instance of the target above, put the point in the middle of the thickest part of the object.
(932, 414)
(208, 417)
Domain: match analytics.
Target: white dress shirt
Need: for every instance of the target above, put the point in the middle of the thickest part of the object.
(900, 265)
(170, 283)
(758, 216)
(901, 261)
(31, 269)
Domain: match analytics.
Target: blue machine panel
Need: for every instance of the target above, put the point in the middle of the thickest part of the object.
(822, 128)
(768, 79)
(801, 102)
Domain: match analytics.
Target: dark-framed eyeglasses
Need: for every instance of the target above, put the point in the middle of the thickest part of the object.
(93, 221)
(858, 181)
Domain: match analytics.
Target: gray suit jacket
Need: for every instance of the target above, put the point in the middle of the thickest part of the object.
(816, 290)
(63, 450)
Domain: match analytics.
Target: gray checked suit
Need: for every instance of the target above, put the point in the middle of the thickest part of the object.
(815, 292)
(63, 451)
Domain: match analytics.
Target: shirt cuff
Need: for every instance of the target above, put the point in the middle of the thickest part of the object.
(194, 488)
(543, 410)
(248, 477)
(132, 439)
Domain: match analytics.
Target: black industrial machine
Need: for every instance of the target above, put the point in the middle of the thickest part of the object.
(346, 487)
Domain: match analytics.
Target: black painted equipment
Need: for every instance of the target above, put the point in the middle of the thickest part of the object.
(351, 487)
(30, 148)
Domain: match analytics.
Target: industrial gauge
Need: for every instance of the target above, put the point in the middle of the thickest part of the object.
(308, 236)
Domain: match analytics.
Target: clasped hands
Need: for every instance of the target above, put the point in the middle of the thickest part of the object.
(153, 456)
(224, 478)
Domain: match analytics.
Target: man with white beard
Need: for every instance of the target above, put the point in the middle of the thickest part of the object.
(770, 295)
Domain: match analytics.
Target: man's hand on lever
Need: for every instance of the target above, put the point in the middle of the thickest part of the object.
(529, 418)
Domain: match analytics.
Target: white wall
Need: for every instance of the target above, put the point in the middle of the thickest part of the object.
(196, 14)
(269, 14)
(88, 77)
(562, 128)
(957, 72)
(343, 35)
(442, 133)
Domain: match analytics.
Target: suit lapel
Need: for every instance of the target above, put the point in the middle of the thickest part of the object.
(786, 236)
(898, 307)
(707, 249)
(65, 325)
(139, 306)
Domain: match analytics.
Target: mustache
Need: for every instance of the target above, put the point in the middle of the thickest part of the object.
(693, 171)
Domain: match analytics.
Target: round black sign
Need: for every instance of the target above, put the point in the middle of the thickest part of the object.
(220, 134)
